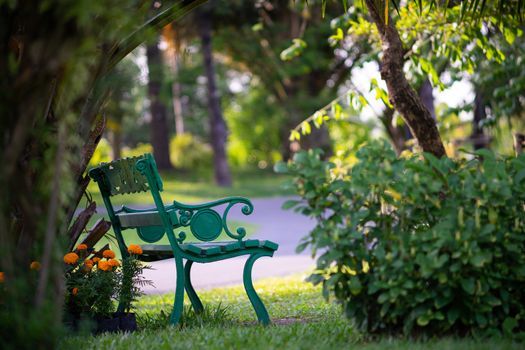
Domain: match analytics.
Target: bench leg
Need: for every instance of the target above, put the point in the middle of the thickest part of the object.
(179, 293)
(257, 303)
(194, 298)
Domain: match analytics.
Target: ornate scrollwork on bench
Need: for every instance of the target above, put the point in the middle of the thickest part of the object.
(247, 209)
(206, 224)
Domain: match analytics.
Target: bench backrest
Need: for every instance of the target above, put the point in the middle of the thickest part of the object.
(126, 176)
(123, 177)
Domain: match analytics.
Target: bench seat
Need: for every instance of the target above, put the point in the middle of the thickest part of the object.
(152, 252)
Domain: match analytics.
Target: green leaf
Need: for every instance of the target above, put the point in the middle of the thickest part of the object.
(373, 84)
(306, 128)
(468, 285)
(295, 135)
(318, 119)
(510, 36)
(363, 101)
(383, 297)
(519, 176)
(349, 98)
(290, 204)
(452, 315)
(479, 259)
(423, 320)
(355, 286)
(257, 27)
(297, 47)
(302, 246)
(508, 325)
(338, 36)
(442, 301)
(336, 111)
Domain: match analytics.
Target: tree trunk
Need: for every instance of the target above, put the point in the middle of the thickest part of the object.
(519, 143)
(159, 120)
(116, 143)
(478, 137)
(176, 93)
(219, 132)
(402, 96)
(177, 107)
(427, 97)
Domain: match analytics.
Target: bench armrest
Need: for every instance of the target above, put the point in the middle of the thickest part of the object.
(187, 211)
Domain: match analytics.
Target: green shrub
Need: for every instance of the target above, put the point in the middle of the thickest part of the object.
(188, 152)
(139, 150)
(418, 245)
(103, 152)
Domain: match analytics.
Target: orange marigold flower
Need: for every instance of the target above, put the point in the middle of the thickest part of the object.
(35, 265)
(2, 277)
(96, 259)
(82, 247)
(108, 254)
(88, 264)
(113, 263)
(74, 291)
(134, 249)
(104, 265)
(71, 258)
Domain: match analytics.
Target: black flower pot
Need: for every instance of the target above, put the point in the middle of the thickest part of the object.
(107, 324)
(128, 321)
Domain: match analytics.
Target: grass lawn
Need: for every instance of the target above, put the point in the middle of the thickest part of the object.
(302, 320)
(191, 188)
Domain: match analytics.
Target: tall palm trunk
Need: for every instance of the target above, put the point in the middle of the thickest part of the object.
(219, 132)
(159, 120)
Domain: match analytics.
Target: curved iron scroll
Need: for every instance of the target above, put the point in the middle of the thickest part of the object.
(247, 209)
(188, 212)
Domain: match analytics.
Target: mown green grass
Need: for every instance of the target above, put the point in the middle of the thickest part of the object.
(302, 320)
(193, 187)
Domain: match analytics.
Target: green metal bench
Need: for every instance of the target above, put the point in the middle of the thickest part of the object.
(204, 221)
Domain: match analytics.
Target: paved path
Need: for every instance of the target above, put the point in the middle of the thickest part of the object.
(284, 227)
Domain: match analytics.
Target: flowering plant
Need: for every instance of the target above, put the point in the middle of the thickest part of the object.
(91, 284)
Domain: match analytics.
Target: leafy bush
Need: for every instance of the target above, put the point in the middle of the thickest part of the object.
(419, 245)
(188, 152)
(103, 152)
(139, 150)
